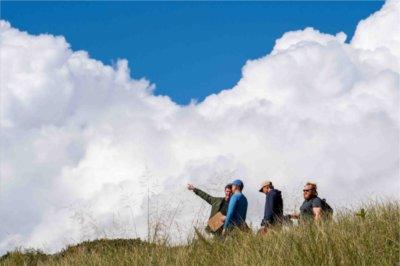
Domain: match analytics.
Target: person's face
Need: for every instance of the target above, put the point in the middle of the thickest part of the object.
(228, 193)
(265, 189)
(307, 192)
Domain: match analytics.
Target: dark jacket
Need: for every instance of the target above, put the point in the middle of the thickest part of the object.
(273, 211)
(217, 204)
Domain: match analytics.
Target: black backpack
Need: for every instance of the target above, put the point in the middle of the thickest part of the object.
(328, 211)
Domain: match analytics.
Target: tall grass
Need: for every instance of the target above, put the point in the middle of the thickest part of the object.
(349, 239)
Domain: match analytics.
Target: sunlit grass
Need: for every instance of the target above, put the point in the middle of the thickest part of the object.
(349, 239)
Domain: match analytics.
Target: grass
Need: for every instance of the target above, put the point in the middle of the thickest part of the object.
(349, 239)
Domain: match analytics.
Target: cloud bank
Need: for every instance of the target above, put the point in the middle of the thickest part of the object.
(82, 143)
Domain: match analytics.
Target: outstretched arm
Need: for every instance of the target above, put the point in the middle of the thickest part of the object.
(201, 194)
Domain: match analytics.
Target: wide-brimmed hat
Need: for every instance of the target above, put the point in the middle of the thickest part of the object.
(265, 183)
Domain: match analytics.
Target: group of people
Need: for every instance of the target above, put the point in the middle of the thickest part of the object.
(233, 206)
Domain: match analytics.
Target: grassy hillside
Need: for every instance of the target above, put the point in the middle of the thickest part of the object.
(350, 239)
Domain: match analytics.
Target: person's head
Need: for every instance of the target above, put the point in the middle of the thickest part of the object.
(266, 187)
(228, 191)
(310, 190)
(237, 185)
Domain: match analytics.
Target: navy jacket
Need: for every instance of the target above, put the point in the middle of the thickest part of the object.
(273, 207)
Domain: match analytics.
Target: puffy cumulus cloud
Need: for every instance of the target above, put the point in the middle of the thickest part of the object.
(83, 143)
(304, 37)
(380, 31)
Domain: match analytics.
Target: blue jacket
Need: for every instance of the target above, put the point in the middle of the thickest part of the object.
(273, 211)
(237, 210)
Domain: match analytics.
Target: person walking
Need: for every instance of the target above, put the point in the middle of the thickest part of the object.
(218, 204)
(313, 207)
(273, 210)
(237, 209)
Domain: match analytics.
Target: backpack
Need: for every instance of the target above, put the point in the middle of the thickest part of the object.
(328, 211)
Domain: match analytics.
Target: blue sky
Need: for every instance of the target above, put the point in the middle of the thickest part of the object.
(188, 49)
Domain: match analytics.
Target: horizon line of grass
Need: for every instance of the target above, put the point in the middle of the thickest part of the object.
(370, 238)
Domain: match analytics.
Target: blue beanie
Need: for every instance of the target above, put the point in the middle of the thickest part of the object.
(238, 183)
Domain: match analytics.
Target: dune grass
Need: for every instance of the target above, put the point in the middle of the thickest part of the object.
(349, 239)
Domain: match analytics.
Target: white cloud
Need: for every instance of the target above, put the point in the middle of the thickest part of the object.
(79, 137)
(380, 31)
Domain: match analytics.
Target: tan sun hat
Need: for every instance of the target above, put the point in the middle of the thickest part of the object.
(265, 183)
